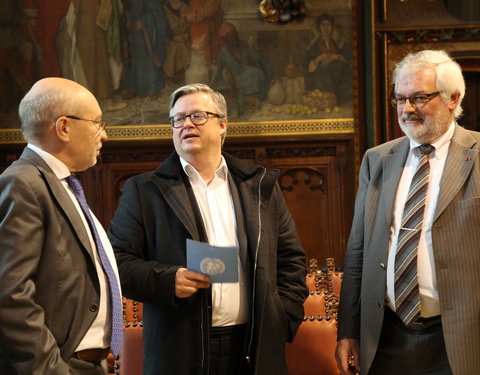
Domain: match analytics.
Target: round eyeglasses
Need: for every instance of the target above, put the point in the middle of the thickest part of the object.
(197, 118)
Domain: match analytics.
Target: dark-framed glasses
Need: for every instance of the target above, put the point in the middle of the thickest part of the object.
(197, 118)
(415, 100)
(100, 124)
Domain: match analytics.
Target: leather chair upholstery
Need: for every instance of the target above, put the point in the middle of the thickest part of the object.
(311, 353)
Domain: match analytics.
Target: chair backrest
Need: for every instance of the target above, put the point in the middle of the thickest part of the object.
(132, 311)
(313, 350)
(129, 361)
(311, 353)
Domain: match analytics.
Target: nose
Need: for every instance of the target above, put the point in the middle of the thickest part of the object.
(188, 123)
(104, 135)
(408, 107)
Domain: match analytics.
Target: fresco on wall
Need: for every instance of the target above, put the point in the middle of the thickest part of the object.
(133, 53)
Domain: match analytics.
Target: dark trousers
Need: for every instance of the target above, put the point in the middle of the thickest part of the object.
(405, 351)
(227, 350)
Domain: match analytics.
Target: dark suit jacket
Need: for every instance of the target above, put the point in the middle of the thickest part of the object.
(156, 215)
(456, 247)
(49, 292)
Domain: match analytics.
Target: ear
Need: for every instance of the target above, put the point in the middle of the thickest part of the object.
(454, 99)
(63, 129)
(223, 125)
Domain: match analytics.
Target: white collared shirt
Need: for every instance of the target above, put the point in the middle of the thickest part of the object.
(427, 279)
(99, 333)
(229, 300)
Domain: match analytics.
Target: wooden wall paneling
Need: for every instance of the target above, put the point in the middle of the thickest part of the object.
(314, 190)
(317, 175)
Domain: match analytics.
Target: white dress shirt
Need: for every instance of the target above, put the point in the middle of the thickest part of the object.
(98, 335)
(229, 300)
(427, 280)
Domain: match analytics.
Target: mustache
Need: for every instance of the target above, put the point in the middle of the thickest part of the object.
(412, 117)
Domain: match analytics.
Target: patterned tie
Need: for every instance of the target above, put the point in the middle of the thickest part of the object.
(407, 296)
(115, 296)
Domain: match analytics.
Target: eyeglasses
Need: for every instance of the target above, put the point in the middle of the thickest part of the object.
(197, 118)
(415, 101)
(100, 124)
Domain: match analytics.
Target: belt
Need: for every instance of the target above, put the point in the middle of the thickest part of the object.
(92, 355)
(423, 324)
(228, 330)
(419, 325)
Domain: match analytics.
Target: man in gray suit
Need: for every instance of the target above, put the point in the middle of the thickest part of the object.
(410, 300)
(55, 314)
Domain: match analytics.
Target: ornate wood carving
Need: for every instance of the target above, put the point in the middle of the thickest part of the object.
(312, 177)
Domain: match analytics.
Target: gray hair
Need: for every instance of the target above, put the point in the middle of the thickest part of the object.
(217, 98)
(449, 78)
(38, 110)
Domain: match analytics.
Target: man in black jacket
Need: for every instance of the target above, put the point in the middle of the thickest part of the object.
(190, 325)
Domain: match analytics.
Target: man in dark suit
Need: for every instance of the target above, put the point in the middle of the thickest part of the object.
(410, 301)
(55, 296)
(199, 193)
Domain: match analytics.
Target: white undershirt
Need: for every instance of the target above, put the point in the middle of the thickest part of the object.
(229, 300)
(98, 335)
(427, 280)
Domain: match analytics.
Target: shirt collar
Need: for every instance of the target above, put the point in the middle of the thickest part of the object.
(57, 166)
(441, 144)
(192, 173)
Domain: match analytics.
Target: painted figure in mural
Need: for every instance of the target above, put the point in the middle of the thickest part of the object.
(327, 64)
(86, 44)
(241, 68)
(46, 16)
(205, 19)
(178, 45)
(14, 81)
(146, 35)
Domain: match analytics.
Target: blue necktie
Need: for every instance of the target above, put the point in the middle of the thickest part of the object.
(115, 296)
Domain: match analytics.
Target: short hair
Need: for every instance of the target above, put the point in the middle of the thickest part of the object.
(38, 110)
(217, 98)
(449, 77)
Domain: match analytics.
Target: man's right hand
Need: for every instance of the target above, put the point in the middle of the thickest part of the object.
(346, 354)
(188, 282)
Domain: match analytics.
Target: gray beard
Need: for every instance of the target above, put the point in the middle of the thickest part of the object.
(429, 130)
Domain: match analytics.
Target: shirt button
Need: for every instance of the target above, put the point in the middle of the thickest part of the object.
(382, 266)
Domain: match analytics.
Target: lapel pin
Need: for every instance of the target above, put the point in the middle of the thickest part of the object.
(468, 158)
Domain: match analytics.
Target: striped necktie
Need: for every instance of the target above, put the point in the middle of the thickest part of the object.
(115, 296)
(407, 296)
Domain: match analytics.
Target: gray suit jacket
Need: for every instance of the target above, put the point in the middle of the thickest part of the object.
(49, 292)
(456, 246)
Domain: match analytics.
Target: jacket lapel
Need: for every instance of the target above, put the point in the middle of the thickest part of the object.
(393, 164)
(60, 196)
(168, 179)
(461, 156)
